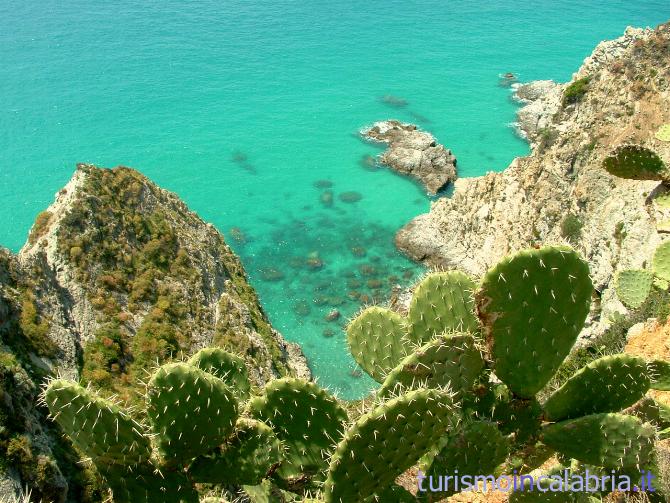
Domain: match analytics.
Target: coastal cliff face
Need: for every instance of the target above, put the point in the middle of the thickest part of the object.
(116, 276)
(559, 193)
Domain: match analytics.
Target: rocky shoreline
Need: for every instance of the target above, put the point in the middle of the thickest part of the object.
(414, 153)
(560, 193)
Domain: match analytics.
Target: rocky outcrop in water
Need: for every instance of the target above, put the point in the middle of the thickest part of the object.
(414, 153)
(117, 275)
(560, 193)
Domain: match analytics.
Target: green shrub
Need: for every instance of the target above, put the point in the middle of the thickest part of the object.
(105, 357)
(35, 328)
(576, 91)
(40, 227)
(571, 228)
(548, 137)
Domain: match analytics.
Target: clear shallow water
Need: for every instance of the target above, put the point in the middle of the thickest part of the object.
(240, 107)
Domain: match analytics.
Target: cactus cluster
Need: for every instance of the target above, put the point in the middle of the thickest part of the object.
(528, 311)
(633, 286)
(463, 378)
(199, 429)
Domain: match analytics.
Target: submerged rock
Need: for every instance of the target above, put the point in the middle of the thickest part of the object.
(393, 101)
(301, 308)
(374, 284)
(368, 162)
(350, 197)
(326, 198)
(358, 251)
(367, 270)
(323, 184)
(415, 153)
(271, 274)
(333, 315)
(314, 263)
(237, 235)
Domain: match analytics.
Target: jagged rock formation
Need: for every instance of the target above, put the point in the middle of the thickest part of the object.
(117, 275)
(415, 153)
(560, 192)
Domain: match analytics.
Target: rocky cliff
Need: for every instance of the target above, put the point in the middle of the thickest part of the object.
(117, 275)
(560, 192)
(414, 153)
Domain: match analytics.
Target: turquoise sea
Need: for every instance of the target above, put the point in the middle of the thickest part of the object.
(242, 107)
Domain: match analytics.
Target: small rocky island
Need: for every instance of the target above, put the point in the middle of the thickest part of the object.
(415, 153)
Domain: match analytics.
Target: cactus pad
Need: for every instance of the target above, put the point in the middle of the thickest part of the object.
(378, 341)
(660, 263)
(659, 373)
(246, 457)
(609, 440)
(633, 286)
(520, 416)
(449, 360)
(476, 448)
(651, 411)
(395, 494)
(227, 367)
(191, 411)
(635, 163)
(306, 419)
(442, 302)
(526, 494)
(97, 426)
(663, 133)
(608, 384)
(147, 486)
(385, 442)
(532, 306)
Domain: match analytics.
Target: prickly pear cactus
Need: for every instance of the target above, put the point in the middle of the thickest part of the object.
(97, 426)
(190, 411)
(608, 384)
(609, 440)
(452, 361)
(475, 448)
(442, 302)
(230, 368)
(533, 305)
(395, 494)
(385, 442)
(245, 459)
(633, 286)
(651, 411)
(525, 494)
(378, 341)
(636, 163)
(148, 486)
(660, 263)
(306, 419)
(521, 416)
(659, 373)
(663, 133)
